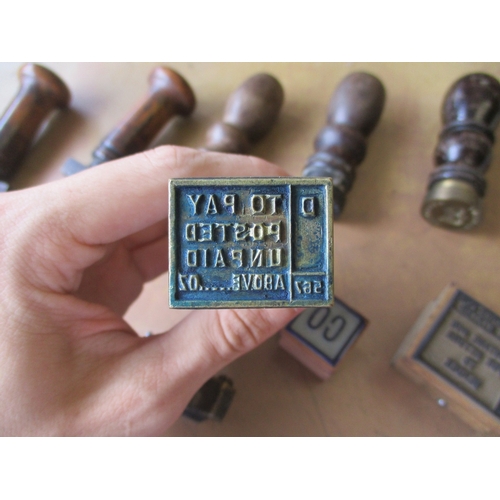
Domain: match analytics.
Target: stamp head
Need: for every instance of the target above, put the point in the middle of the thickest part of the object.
(251, 242)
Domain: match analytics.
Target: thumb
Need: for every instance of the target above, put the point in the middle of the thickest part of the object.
(175, 364)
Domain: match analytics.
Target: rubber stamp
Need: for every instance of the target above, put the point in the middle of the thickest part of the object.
(169, 95)
(354, 111)
(41, 92)
(456, 188)
(212, 401)
(251, 242)
(320, 337)
(454, 351)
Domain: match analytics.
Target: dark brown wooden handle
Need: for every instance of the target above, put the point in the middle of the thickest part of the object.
(474, 101)
(40, 92)
(354, 111)
(251, 111)
(169, 95)
(470, 114)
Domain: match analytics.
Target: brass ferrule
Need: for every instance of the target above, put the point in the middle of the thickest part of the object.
(452, 204)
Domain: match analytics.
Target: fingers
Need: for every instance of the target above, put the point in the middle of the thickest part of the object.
(111, 201)
(152, 259)
(201, 344)
(67, 224)
(146, 236)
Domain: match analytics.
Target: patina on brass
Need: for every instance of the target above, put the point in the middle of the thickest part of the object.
(251, 242)
(452, 204)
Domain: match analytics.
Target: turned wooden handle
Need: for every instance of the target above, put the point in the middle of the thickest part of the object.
(357, 103)
(41, 92)
(473, 100)
(340, 146)
(251, 111)
(457, 185)
(353, 113)
(169, 95)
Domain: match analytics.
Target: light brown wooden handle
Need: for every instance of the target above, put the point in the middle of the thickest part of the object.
(169, 95)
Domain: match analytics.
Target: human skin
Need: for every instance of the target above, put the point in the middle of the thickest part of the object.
(75, 254)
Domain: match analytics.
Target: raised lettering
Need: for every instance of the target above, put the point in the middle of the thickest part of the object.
(256, 258)
(236, 282)
(194, 201)
(190, 232)
(211, 206)
(279, 285)
(239, 230)
(223, 227)
(192, 258)
(247, 281)
(274, 229)
(272, 198)
(257, 232)
(219, 259)
(205, 232)
(274, 257)
(307, 207)
(229, 201)
(237, 256)
(257, 204)
(268, 281)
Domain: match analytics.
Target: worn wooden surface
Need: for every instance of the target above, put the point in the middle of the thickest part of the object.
(388, 261)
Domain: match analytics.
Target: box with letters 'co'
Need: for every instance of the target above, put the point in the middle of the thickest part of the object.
(319, 338)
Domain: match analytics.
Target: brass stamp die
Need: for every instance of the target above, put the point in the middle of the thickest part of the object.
(251, 242)
(453, 350)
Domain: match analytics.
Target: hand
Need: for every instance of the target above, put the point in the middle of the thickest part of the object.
(75, 254)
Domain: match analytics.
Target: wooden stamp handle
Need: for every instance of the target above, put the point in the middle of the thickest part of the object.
(473, 101)
(470, 114)
(354, 111)
(357, 103)
(251, 111)
(169, 95)
(40, 92)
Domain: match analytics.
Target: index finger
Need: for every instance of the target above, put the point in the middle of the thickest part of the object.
(109, 202)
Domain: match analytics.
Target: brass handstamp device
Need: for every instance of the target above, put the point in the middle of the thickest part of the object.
(251, 242)
(471, 113)
(454, 350)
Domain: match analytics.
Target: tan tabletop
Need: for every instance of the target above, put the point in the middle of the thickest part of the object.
(389, 263)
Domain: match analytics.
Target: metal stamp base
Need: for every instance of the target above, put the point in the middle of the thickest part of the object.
(251, 242)
(452, 204)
